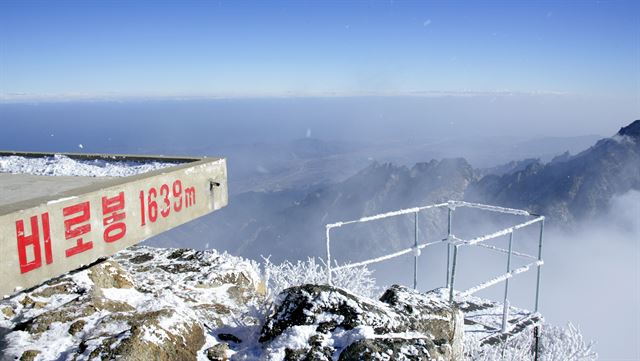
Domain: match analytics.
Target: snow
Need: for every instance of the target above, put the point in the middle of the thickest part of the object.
(51, 344)
(127, 295)
(60, 165)
(154, 335)
(296, 337)
(341, 338)
(61, 200)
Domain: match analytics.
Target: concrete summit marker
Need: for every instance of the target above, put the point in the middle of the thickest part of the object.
(50, 225)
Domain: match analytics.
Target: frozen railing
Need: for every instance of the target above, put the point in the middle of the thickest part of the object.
(453, 244)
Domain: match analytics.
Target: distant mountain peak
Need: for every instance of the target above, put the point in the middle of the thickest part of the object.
(632, 130)
(567, 190)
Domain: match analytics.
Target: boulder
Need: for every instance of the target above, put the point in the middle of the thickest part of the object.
(147, 339)
(217, 352)
(8, 311)
(429, 314)
(109, 274)
(29, 355)
(336, 322)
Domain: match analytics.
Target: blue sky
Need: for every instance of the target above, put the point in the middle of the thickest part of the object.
(209, 48)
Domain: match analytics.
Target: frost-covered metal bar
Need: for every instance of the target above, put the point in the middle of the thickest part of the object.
(424, 245)
(506, 251)
(453, 240)
(500, 278)
(517, 212)
(328, 231)
(416, 248)
(374, 260)
(386, 215)
(386, 257)
(449, 218)
(416, 252)
(505, 303)
(453, 272)
(455, 243)
(503, 232)
(540, 260)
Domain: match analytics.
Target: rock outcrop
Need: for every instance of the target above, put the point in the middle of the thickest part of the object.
(143, 304)
(314, 322)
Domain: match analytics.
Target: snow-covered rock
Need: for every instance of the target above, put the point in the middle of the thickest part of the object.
(143, 304)
(321, 322)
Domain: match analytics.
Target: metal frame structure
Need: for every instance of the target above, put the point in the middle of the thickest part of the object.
(453, 245)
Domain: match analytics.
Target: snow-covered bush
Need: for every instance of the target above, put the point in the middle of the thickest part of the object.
(556, 343)
(358, 280)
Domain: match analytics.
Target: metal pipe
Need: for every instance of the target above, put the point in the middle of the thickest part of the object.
(486, 207)
(453, 273)
(539, 266)
(448, 260)
(449, 215)
(374, 260)
(514, 253)
(536, 337)
(416, 253)
(503, 232)
(328, 229)
(386, 215)
(499, 279)
(505, 305)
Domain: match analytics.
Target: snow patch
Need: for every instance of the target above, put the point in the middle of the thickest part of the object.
(60, 165)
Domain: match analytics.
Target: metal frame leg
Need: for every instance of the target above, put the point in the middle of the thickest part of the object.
(329, 281)
(539, 266)
(449, 217)
(453, 272)
(416, 252)
(505, 306)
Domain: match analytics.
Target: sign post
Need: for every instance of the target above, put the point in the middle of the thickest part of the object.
(49, 235)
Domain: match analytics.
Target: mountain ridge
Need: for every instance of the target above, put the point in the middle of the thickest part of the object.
(289, 222)
(576, 188)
